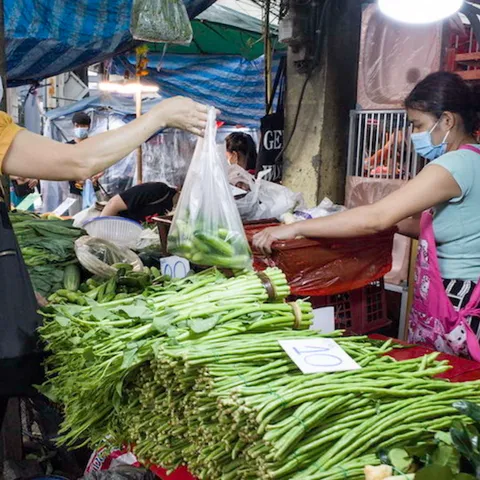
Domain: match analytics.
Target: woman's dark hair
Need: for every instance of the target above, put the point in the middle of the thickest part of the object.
(447, 92)
(244, 144)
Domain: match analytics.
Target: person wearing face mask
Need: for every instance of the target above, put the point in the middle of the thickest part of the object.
(81, 130)
(444, 112)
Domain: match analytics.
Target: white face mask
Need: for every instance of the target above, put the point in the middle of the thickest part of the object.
(80, 132)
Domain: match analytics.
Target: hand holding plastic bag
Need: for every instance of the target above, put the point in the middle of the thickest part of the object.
(206, 228)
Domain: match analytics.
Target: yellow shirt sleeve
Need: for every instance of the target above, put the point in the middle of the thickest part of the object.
(8, 131)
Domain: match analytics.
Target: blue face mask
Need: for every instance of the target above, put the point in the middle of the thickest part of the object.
(81, 132)
(424, 146)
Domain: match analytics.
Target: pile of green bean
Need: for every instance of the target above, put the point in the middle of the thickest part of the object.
(238, 408)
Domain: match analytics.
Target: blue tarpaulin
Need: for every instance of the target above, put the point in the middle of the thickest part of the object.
(234, 85)
(48, 37)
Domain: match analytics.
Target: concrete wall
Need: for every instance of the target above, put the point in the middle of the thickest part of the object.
(316, 159)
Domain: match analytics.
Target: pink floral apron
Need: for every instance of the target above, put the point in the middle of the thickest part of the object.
(433, 320)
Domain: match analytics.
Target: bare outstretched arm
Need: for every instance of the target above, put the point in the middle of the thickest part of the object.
(34, 156)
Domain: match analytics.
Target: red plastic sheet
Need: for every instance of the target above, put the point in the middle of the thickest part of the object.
(180, 474)
(462, 370)
(328, 266)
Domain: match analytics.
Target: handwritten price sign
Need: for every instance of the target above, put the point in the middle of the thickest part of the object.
(316, 355)
(175, 267)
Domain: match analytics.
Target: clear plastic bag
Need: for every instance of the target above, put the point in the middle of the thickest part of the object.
(207, 228)
(276, 200)
(324, 209)
(164, 21)
(248, 203)
(97, 256)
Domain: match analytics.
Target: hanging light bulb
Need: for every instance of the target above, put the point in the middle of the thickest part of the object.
(419, 11)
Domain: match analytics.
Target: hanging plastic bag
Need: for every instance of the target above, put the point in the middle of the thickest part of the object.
(247, 203)
(163, 21)
(206, 228)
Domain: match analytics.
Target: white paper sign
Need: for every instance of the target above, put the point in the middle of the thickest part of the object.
(323, 320)
(28, 201)
(175, 267)
(65, 205)
(316, 355)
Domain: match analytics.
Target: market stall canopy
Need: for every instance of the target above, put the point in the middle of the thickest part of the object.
(113, 102)
(221, 30)
(45, 38)
(236, 86)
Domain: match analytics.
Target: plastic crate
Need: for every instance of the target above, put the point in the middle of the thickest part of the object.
(358, 311)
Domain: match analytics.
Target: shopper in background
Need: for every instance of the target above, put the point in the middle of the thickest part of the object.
(20, 189)
(81, 130)
(28, 155)
(141, 202)
(242, 151)
(444, 111)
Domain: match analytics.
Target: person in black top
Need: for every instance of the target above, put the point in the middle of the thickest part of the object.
(141, 202)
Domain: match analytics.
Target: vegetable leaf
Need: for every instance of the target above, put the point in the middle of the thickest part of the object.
(421, 450)
(62, 321)
(202, 325)
(469, 409)
(434, 472)
(162, 324)
(447, 456)
(443, 437)
(135, 312)
(461, 438)
(129, 358)
(100, 313)
(172, 332)
(119, 387)
(88, 354)
(400, 459)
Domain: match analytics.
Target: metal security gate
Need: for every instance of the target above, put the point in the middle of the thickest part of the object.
(380, 146)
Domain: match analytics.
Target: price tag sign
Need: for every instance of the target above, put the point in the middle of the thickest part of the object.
(28, 201)
(175, 267)
(64, 206)
(317, 355)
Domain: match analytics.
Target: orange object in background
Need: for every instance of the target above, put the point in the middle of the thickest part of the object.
(327, 266)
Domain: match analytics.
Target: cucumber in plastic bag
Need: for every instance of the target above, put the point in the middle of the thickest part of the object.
(207, 228)
(163, 21)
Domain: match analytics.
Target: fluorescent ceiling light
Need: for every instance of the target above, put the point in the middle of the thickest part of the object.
(127, 88)
(419, 11)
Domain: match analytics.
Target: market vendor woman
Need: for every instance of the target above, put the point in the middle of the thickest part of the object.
(27, 155)
(444, 112)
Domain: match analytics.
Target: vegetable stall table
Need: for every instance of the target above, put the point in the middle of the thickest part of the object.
(463, 370)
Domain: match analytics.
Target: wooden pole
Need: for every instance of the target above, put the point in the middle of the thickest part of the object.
(138, 106)
(267, 55)
(138, 111)
(3, 103)
(411, 283)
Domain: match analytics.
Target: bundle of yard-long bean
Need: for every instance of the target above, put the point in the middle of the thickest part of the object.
(96, 348)
(240, 409)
